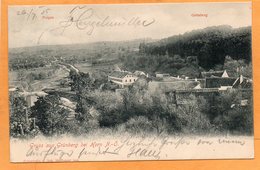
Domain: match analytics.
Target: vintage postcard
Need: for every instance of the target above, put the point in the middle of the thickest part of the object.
(117, 82)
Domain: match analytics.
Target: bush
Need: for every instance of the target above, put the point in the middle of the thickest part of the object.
(138, 125)
(192, 117)
(230, 116)
(111, 118)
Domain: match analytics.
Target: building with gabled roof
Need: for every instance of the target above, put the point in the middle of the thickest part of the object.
(242, 82)
(209, 74)
(218, 82)
(122, 78)
(140, 73)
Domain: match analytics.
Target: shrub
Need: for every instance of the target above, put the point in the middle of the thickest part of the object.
(192, 117)
(111, 118)
(230, 116)
(139, 124)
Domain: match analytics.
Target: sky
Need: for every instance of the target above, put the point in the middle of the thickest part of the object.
(72, 24)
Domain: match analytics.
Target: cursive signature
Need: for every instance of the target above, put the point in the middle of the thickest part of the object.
(84, 18)
(87, 19)
(50, 152)
(85, 152)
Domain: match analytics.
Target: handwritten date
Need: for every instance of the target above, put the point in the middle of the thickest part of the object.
(35, 13)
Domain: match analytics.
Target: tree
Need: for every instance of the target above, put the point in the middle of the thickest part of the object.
(192, 116)
(83, 84)
(20, 123)
(108, 105)
(21, 76)
(237, 67)
(211, 45)
(51, 117)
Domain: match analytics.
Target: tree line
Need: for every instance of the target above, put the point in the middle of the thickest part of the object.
(210, 45)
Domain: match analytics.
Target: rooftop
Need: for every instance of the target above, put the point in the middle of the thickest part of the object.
(212, 73)
(119, 74)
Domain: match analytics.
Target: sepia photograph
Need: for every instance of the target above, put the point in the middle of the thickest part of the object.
(118, 82)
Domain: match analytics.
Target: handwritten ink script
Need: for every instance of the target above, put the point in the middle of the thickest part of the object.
(84, 18)
(35, 13)
(126, 148)
(80, 18)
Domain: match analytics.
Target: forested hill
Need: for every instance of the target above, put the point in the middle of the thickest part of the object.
(210, 45)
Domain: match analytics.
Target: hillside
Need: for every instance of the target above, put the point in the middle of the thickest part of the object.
(77, 49)
(210, 45)
(187, 54)
(38, 56)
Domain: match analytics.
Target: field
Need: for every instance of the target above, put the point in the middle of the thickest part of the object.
(88, 67)
(20, 77)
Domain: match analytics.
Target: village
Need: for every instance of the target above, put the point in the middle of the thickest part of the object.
(108, 94)
(208, 82)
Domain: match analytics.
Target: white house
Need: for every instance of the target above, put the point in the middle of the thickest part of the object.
(122, 78)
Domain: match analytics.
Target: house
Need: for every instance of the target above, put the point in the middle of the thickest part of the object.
(162, 75)
(219, 82)
(208, 74)
(140, 73)
(122, 78)
(243, 82)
